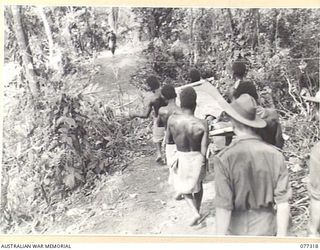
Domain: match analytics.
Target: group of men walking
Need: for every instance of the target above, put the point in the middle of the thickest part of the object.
(251, 179)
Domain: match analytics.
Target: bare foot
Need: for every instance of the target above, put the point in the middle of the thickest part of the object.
(159, 159)
(194, 222)
(178, 197)
(198, 219)
(203, 217)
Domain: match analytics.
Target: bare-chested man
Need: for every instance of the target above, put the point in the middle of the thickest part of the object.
(190, 135)
(155, 103)
(169, 94)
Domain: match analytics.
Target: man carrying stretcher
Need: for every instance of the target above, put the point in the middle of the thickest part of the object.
(190, 135)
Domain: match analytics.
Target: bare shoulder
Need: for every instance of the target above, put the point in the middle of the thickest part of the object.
(205, 124)
(201, 122)
(152, 99)
(197, 125)
(163, 110)
(172, 119)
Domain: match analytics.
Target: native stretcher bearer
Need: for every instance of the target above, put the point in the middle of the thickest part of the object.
(154, 104)
(169, 94)
(190, 135)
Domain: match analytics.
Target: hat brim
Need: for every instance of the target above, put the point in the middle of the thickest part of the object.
(257, 123)
(311, 98)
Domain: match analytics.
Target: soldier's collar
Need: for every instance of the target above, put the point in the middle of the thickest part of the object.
(247, 137)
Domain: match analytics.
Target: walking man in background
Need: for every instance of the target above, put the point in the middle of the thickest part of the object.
(155, 103)
(250, 178)
(190, 135)
(112, 41)
(314, 177)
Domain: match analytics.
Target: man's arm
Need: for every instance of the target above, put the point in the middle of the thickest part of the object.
(282, 194)
(162, 116)
(283, 212)
(223, 217)
(146, 114)
(224, 196)
(168, 131)
(279, 138)
(205, 139)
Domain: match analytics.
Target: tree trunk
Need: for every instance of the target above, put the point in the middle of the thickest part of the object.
(113, 18)
(255, 35)
(194, 37)
(26, 55)
(232, 27)
(4, 189)
(151, 25)
(274, 34)
(65, 33)
(191, 42)
(195, 40)
(48, 33)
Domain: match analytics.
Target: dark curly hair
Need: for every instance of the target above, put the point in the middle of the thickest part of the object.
(194, 75)
(168, 92)
(239, 69)
(188, 97)
(246, 87)
(153, 83)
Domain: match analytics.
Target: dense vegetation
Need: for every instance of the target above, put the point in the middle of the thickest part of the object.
(58, 137)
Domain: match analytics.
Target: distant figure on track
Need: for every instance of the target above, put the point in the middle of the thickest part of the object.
(155, 103)
(250, 178)
(190, 135)
(314, 176)
(112, 41)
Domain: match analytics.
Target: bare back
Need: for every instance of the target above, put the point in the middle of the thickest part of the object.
(156, 103)
(166, 111)
(187, 132)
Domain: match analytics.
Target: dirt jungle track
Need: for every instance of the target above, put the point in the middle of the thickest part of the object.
(139, 200)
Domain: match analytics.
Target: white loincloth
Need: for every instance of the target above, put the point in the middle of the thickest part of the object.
(188, 172)
(171, 156)
(158, 134)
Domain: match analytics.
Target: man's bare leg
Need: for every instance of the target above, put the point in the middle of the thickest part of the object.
(158, 147)
(192, 204)
(198, 198)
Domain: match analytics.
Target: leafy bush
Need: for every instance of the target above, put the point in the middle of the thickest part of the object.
(63, 138)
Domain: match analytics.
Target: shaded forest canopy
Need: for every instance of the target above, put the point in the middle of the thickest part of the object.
(57, 137)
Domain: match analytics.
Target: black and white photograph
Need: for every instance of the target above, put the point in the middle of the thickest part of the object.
(160, 121)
